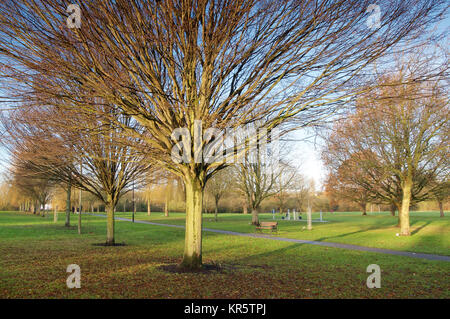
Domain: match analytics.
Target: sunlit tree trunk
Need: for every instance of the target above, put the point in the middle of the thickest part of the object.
(149, 210)
(192, 257)
(166, 205)
(404, 211)
(55, 214)
(245, 208)
(109, 207)
(309, 218)
(79, 214)
(255, 217)
(68, 205)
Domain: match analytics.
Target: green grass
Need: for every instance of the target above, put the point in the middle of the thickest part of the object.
(430, 233)
(35, 253)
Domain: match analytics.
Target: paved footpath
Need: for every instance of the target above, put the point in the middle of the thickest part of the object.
(300, 241)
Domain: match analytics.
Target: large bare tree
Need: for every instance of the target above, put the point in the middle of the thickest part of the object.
(171, 63)
(395, 144)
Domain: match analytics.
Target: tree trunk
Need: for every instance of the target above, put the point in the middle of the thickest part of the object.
(392, 209)
(364, 209)
(192, 258)
(68, 206)
(255, 217)
(309, 219)
(55, 214)
(148, 207)
(399, 209)
(109, 207)
(441, 208)
(216, 209)
(166, 206)
(404, 212)
(79, 221)
(244, 208)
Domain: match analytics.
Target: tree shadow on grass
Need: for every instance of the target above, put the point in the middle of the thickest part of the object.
(109, 245)
(415, 231)
(207, 268)
(350, 233)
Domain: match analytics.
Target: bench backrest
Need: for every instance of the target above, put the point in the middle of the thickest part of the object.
(269, 223)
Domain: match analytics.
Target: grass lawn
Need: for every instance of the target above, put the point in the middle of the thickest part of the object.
(430, 233)
(35, 252)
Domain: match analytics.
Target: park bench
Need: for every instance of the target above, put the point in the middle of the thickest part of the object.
(272, 226)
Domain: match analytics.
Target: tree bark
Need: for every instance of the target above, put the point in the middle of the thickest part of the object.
(216, 208)
(392, 209)
(192, 258)
(166, 206)
(364, 209)
(245, 209)
(55, 214)
(38, 212)
(68, 206)
(404, 211)
(309, 219)
(149, 211)
(399, 209)
(441, 208)
(109, 207)
(79, 221)
(255, 217)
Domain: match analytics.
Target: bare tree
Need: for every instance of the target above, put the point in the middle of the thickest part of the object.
(284, 185)
(396, 142)
(170, 63)
(440, 192)
(81, 151)
(348, 181)
(217, 186)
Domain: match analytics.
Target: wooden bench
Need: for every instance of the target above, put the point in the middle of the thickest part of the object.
(272, 226)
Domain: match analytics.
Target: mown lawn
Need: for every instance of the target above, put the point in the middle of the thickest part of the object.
(430, 233)
(35, 252)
